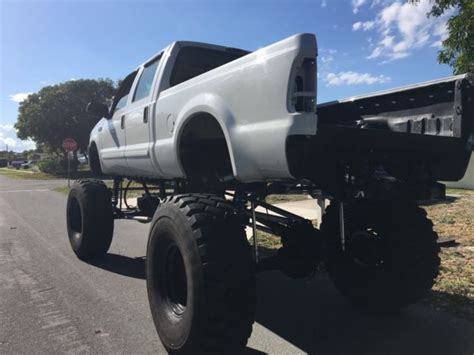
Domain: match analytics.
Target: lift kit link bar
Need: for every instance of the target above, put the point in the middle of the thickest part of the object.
(254, 231)
(341, 225)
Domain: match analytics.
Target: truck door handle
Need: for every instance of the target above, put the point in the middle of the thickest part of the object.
(122, 122)
(145, 114)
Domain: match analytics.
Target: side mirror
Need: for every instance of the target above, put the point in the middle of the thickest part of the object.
(97, 109)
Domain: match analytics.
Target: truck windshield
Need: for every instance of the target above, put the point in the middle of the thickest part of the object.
(194, 61)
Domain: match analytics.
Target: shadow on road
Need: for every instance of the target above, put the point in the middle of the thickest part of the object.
(311, 315)
(123, 265)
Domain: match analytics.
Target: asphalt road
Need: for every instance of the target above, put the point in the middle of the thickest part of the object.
(52, 303)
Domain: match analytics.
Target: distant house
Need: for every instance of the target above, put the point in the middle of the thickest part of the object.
(468, 181)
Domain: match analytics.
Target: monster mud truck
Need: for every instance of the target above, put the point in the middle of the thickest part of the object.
(207, 132)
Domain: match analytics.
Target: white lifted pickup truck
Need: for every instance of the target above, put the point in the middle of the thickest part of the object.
(191, 93)
(207, 132)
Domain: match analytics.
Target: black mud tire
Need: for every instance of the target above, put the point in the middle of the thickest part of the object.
(90, 219)
(200, 276)
(391, 256)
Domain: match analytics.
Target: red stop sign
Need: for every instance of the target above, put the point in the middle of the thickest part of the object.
(69, 145)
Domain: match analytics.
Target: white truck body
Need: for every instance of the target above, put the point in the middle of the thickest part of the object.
(198, 121)
(252, 98)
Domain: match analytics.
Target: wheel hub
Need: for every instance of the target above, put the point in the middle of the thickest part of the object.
(365, 248)
(176, 283)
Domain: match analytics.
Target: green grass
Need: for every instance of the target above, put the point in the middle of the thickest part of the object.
(62, 189)
(34, 174)
(26, 174)
(273, 199)
(454, 288)
(456, 191)
(267, 243)
(446, 220)
(65, 189)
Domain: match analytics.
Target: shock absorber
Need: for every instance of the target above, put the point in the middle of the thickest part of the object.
(116, 191)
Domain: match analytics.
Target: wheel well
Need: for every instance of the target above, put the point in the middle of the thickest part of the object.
(94, 161)
(203, 149)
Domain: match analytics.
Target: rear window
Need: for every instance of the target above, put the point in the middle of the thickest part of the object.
(194, 61)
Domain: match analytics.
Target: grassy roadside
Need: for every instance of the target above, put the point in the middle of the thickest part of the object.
(109, 183)
(454, 288)
(273, 199)
(62, 189)
(34, 174)
(65, 189)
(25, 174)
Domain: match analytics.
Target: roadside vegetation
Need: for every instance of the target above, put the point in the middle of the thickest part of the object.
(35, 173)
(62, 189)
(57, 112)
(28, 174)
(132, 194)
(273, 199)
(454, 218)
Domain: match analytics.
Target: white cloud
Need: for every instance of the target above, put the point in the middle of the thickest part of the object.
(356, 4)
(326, 57)
(20, 146)
(376, 3)
(7, 141)
(8, 137)
(365, 26)
(441, 31)
(324, 3)
(19, 97)
(354, 78)
(402, 28)
(6, 127)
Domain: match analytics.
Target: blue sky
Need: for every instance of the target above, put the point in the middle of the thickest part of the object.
(364, 45)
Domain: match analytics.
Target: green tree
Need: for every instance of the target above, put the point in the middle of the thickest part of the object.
(58, 111)
(458, 47)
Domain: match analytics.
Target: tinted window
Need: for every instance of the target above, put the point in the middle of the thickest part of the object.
(194, 61)
(120, 99)
(121, 103)
(146, 81)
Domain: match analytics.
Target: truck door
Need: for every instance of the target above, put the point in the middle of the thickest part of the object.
(139, 120)
(112, 134)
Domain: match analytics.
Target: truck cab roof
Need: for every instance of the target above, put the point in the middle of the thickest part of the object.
(184, 43)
